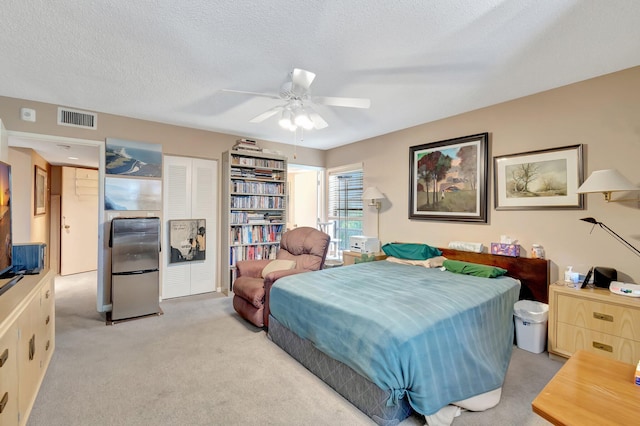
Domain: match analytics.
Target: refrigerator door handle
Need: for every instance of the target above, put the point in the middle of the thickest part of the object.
(144, 271)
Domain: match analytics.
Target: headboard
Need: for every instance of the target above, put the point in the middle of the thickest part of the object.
(532, 273)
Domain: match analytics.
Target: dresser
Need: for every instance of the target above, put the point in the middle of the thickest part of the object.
(27, 340)
(595, 320)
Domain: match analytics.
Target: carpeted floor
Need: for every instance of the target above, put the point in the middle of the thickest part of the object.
(200, 364)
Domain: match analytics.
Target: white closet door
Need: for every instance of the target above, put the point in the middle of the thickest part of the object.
(190, 193)
(204, 202)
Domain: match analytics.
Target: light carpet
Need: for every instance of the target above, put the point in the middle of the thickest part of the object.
(201, 364)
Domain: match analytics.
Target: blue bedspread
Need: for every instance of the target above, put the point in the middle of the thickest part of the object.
(434, 336)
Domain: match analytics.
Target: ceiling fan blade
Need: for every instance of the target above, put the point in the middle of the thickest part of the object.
(244, 92)
(268, 113)
(301, 79)
(318, 121)
(342, 102)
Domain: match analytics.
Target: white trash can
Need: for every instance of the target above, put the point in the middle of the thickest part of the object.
(531, 325)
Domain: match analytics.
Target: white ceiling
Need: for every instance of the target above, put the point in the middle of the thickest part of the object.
(417, 60)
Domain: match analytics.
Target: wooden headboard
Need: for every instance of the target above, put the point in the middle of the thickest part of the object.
(532, 273)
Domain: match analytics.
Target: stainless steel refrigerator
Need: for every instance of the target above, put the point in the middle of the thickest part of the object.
(135, 259)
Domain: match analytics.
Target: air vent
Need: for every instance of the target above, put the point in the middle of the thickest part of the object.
(75, 118)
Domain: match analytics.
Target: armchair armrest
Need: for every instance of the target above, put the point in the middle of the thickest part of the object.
(251, 268)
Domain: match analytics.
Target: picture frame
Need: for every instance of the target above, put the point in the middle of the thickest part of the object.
(187, 240)
(40, 191)
(448, 179)
(131, 158)
(132, 194)
(539, 180)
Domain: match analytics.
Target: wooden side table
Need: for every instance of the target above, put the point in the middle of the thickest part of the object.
(349, 257)
(590, 389)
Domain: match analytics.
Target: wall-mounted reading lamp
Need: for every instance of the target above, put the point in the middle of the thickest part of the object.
(374, 196)
(607, 181)
(612, 233)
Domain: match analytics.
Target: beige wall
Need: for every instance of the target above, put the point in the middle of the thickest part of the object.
(27, 227)
(602, 113)
(175, 140)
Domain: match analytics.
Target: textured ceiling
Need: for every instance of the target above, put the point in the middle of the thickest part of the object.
(418, 61)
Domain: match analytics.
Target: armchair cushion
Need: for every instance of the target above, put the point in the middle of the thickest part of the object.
(278, 265)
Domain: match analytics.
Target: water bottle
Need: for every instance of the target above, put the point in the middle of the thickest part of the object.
(537, 252)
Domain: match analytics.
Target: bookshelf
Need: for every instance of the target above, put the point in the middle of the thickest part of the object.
(254, 206)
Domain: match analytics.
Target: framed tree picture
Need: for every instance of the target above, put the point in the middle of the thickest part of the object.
(40, 191)
(448, 179)
(539, 180)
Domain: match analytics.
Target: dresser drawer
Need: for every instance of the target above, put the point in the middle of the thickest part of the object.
(570, 338)
(599, 316)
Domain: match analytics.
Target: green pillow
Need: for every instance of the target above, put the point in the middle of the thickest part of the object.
(410, 251)
(474, 269)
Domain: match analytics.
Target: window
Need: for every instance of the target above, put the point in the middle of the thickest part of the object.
(345, 203)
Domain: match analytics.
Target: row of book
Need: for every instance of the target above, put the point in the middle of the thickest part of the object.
(255, 234)
(256, 162)
(256, 202)
(251, 187)
(255, 174)
(244, 218)
(238, 253)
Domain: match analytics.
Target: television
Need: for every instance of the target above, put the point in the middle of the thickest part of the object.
(6, 243)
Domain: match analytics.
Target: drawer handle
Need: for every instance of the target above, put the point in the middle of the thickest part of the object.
(32, 347)
(3, 358)
(47, 320)
(3, 402)
(603, 317)
(602, 346)
(46, 347)
(46, 295)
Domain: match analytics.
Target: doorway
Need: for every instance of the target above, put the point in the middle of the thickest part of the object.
(306, 196)
(60, 152)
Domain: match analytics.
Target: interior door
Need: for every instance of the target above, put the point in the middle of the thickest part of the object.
(79, 221)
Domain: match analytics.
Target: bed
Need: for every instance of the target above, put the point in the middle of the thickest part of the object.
(392, 346)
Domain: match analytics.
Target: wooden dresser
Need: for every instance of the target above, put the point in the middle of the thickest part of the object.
(27, 340)
(595, 320)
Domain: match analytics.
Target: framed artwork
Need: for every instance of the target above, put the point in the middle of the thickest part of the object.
(40, 191)
(448, 179)
(187, 240)
(133, 158)
(132, 194)
(539, 180)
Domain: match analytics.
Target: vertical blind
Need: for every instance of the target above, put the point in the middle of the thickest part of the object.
(345, 204)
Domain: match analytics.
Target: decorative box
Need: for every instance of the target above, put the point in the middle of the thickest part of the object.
(512, 250)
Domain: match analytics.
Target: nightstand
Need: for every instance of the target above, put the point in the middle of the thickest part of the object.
(595, 320)
(349, 257)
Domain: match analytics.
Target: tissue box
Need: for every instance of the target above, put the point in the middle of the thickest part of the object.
(512, 250)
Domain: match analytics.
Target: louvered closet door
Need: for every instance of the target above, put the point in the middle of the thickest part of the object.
(190, 193)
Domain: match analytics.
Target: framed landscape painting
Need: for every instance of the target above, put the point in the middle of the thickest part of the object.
(448, 179)
(539, 180)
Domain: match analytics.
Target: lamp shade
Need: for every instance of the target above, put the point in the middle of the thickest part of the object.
(372, 193)
(608, 180)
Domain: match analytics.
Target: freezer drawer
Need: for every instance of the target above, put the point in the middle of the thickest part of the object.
(135, 295)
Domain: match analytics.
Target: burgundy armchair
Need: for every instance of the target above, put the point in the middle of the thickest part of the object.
(305, 245)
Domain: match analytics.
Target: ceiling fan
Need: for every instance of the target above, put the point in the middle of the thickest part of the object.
(297, 111)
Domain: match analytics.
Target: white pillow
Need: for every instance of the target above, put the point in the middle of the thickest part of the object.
(278, 265)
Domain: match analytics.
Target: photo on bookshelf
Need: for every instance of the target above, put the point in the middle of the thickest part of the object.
(187, 240)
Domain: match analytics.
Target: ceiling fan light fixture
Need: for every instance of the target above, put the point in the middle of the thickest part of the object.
(303, 120)
(285, 120)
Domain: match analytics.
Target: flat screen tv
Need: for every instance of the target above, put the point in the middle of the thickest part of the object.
(6, 249)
